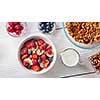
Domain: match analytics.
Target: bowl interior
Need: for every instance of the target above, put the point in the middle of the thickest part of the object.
(46, 40)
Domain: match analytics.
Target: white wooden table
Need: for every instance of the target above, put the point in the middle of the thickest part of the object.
(10, 67)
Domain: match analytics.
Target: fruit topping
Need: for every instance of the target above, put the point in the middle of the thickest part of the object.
(36, 54)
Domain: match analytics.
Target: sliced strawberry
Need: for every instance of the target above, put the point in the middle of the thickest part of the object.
(49, 51)
(25, 63)
(34, 61)
(46, 63)
(34, 56)
(36, 68)
(48, 47)
(24, 51)
(28, 44)
(32, 44)
(43, 46)
(24, 56)
(43, 57)
(40, 41)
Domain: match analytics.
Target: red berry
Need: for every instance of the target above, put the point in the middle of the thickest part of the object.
(10, 29)
(48, 47)
(40, 41)
(28, 44)
(43, 57)
(34, 61)
(11, 23)
(32, 44)
(24, 51)
(36, 68)
(49, 51)
(21, 27)
(25, 63)
(17, 27)
(43, 46)
(46, 63)
(18, 32)
(24, 56)
(34, 56)
(16, 23)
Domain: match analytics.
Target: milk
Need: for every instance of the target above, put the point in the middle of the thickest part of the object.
(70, 57)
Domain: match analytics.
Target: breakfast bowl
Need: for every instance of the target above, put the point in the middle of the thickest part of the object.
(37, 53)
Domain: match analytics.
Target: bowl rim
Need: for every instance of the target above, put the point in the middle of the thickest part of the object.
(82, 47)
(46, 39)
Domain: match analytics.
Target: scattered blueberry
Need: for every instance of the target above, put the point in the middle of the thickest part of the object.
(30, 52)
(46, 27)
(39, 60)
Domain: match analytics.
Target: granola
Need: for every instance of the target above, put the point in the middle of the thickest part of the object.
(84, 32)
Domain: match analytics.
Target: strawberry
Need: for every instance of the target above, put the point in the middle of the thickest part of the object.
(34, 56)
(24, 56)
(25, 63)
(48, 47)
(34, 61)
(24, 51)
(43, 46)
(40, 41)
(49, 51)
(28, 44)
(43, 57)
(32, 44)
(36, 68)
(46, 63)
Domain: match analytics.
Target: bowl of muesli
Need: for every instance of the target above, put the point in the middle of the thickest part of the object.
(37, 53)
(85, 35)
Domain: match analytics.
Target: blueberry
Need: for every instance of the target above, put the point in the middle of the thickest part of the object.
(50, 59)
(30, 52)
(44, 31)
(47, 30)
(47, 23)
(52, 25)
(47, 27)
(39, 60)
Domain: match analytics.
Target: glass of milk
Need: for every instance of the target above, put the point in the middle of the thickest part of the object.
(70, 57)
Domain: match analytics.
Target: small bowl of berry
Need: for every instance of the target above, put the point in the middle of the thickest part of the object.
(16, 29)
(37, 53)
(46, 27)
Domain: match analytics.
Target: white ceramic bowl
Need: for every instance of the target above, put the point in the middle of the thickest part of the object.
(38, 35)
